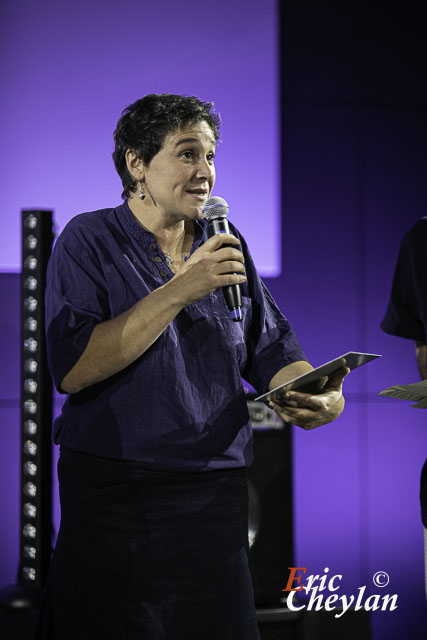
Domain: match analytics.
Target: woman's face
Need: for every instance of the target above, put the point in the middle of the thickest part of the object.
(181, 175)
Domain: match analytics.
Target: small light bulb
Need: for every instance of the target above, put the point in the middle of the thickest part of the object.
(30, 448)
(30, 304)
(30, 365)
(30, 469)
(30, 427)
(30, 324)
(30, 221)
(30, 489)
(31, 242)
(30, 552)
(30, 262)
(30, 406)
(30, 283)
(29, 510)
(29, 573)
(29, 531)
(30, 345)
(30, 385)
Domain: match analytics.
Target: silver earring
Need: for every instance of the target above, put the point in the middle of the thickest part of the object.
(141, 193)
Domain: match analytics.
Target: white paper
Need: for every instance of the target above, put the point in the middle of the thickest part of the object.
(416, 392)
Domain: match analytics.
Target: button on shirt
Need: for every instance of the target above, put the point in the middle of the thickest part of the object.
(181, 404)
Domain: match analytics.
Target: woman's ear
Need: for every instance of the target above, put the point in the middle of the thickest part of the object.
(135, 165)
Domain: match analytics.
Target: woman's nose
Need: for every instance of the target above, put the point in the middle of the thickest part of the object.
(205, 169)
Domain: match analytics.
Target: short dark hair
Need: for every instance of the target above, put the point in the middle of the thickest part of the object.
(144, 125)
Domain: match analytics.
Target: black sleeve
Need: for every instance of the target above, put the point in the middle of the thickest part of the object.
(406, 315)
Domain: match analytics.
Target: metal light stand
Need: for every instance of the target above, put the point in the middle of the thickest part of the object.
(36, 419)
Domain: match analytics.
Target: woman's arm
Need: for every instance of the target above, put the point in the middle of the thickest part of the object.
(116, 343)
(421, 353)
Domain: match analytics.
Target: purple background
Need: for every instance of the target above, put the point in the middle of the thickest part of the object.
(354, 180)
(70, 68)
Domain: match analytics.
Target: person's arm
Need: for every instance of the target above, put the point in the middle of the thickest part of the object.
(421, 353)
(309, 410)
(116, 343)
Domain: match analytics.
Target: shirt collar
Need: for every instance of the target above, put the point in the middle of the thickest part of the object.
(143, 235)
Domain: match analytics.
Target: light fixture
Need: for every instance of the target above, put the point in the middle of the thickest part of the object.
(36, 419)
(36, 405)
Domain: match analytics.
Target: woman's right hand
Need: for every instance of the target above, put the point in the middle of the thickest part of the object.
(214, 264)
(116, 343)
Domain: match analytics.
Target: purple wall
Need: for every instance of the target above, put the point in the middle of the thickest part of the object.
(70, 69)
(355, 106)
(354, 168)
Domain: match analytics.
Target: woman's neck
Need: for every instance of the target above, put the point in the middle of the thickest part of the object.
(172, 235)
(164, 227)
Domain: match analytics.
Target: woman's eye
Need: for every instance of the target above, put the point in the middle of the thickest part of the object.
(192, 155)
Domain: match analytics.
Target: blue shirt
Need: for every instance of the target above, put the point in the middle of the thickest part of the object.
(181, 405)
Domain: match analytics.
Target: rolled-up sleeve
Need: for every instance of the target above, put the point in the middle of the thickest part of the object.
(76, 301)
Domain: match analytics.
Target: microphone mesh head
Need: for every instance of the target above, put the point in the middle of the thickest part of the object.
(215, 208)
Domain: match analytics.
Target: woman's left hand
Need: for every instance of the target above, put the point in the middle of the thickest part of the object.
(309, 411)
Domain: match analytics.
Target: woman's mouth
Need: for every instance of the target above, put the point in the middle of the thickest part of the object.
(199, 194)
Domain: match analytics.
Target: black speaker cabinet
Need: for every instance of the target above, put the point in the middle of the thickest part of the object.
(270, 504)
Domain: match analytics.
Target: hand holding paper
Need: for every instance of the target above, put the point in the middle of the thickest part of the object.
(309, 411)
(416, 392)
(315, 397)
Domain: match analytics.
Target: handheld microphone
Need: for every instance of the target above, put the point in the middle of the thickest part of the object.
(215, 212)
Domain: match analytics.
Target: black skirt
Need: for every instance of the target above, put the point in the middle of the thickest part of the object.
(149, 555)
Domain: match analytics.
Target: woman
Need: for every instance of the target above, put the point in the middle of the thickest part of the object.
(155, 434)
